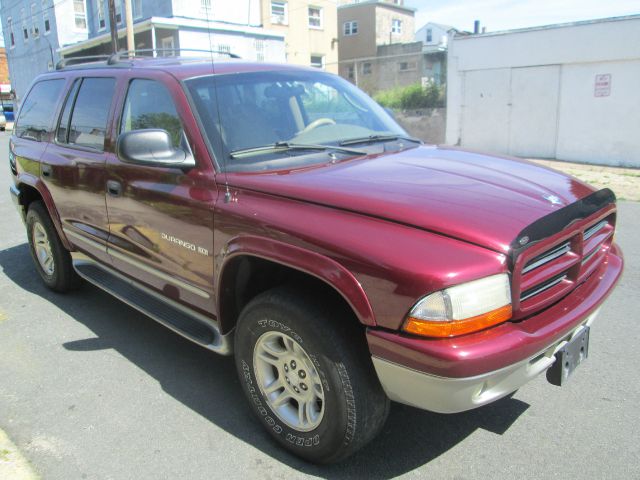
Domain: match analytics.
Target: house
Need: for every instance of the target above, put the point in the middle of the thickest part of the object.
(310, 29)
(434, 38)
(567, 91)
(38, 34)
(33, 31)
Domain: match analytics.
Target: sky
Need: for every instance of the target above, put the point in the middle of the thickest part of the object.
(508, 14)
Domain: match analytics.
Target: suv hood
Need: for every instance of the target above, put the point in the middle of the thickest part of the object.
(477, 198)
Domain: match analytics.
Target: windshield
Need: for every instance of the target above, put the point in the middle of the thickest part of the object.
(259, 109)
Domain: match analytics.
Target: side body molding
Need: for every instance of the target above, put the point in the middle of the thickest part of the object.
(320, 266)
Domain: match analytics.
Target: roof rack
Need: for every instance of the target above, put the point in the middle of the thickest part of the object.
(117, 58)
(67, 62)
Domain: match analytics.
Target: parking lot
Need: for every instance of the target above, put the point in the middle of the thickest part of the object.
(90, 388)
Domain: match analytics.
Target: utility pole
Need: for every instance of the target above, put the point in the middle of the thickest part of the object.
(113, 25)
(128, 15)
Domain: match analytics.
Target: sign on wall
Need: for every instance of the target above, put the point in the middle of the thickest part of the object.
(603, 85)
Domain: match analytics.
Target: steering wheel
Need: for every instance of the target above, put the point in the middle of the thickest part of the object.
(317, 123)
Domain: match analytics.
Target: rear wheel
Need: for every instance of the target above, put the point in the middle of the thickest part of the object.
(52, 260)
(306, 371)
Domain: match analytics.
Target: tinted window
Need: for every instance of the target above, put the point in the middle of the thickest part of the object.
(36, 114)
(90, 112)
(63, 127)
(149, 105)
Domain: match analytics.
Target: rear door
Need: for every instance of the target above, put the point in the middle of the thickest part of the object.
(161, 219)
(73, 164)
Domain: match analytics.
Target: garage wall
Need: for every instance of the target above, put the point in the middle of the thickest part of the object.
(533, 93)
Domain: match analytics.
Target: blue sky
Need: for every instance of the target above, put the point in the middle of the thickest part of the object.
(507, 14)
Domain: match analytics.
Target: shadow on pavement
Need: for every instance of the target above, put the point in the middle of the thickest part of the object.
(207, 383)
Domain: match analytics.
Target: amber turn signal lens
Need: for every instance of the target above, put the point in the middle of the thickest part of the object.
(452, 328)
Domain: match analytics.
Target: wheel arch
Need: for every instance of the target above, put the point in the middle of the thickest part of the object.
(253, 264)
(37, 191)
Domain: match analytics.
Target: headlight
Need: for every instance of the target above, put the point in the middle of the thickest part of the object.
(465, 308)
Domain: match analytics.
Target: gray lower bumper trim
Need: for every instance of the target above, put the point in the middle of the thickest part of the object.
(452, 395)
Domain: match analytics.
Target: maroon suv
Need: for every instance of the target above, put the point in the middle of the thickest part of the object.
(279, 213)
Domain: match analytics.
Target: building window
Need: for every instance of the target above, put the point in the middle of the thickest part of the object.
(396, 26)
(45, 17)
(136, 5)
(102, 22)
(279, 12)
(429, 35)
(80, 13)
(12, 38)
(317, 61)
(366, 68)
(35, 30)
(351, 72)
(350, 28)
(25, 31)
(259, 46)
(406, 66)
(118, 12)
(167, 46)
(315, 17)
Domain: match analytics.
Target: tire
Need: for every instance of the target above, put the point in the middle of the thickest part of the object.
(348, 406)
(56, 270)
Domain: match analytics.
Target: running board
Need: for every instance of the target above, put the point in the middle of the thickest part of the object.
(182, 320)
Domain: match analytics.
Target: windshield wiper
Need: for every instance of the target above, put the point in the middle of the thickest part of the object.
(379, 138)
(286, 146)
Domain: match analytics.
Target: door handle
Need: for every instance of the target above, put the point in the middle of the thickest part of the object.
(46, 170)
(114, 188)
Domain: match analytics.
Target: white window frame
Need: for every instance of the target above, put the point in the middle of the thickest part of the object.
(320, 18)
(136, 6)
(168, 43)
(429, 36)
(396, 26)
(24, 29)
(348, 28)
(79, 15)
(12, 35)
(321, 65)
(119, 12)
(35, 28)
(102, 17)
(45, 17)
(277, 18)
(368, 70)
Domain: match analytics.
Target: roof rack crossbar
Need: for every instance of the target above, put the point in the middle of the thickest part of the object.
(118, 57)
(65, 62)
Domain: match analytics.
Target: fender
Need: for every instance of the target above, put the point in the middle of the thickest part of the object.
(312, 263)
(39, 185)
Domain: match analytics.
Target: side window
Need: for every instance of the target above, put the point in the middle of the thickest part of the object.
(149, 105)
(63, 127)
(36, 113)
(88, 124)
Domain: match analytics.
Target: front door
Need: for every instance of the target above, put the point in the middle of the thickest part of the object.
(161, 219)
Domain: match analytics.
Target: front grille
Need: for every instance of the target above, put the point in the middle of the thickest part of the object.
(548, 275)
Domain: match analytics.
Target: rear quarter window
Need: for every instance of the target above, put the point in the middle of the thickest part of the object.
(36, 117)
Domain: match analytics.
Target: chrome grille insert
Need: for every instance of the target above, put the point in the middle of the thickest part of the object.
(591, 231)
(547, 256)
(542, 287)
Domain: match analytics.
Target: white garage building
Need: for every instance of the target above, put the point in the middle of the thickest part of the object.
(568, 91)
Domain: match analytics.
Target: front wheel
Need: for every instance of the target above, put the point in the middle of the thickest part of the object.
(52, 260)
(306, 371)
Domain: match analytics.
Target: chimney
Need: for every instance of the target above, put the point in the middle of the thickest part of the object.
(476, 27)
(484, 29)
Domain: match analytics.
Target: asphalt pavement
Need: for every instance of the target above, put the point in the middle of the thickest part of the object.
(92, 389)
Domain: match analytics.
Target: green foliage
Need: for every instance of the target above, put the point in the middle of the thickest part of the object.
(412, 97)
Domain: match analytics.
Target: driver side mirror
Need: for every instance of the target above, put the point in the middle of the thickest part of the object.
(152, 147)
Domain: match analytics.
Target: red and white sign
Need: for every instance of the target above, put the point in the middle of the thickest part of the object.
(603, 85)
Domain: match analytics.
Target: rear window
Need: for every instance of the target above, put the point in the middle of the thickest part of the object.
(37, 112)
(88, 124)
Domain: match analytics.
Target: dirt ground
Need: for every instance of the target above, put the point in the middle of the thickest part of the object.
(625, 182)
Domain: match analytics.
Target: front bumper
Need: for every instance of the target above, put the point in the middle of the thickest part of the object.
(461, 373)
(17, 201)
(453, 395)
